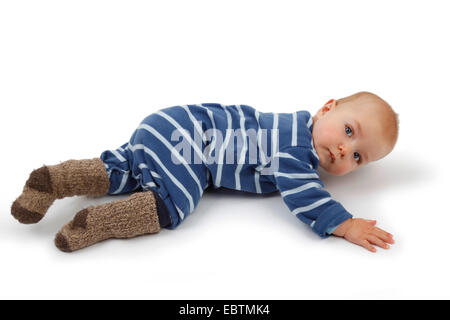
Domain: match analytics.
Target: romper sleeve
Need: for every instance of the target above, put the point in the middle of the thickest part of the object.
(303, 192)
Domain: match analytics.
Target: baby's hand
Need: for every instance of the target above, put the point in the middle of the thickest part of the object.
(364, 233)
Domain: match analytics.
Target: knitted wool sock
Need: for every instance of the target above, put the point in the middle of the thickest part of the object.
(48, 183)
(130, 217)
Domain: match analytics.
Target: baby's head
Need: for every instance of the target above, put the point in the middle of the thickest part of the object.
(353, 131)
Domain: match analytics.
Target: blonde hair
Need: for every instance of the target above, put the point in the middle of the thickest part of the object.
(365, 98)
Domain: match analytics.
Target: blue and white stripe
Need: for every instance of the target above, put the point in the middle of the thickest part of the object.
(146, 160)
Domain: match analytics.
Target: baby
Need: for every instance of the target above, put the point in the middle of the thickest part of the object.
(274, 152)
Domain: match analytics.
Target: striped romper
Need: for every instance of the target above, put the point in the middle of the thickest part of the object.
(179, 152)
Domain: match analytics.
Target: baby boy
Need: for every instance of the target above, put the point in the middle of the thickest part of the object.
(232, 146)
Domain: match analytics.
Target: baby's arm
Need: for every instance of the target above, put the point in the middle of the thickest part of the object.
(303, 193)
(364, 233)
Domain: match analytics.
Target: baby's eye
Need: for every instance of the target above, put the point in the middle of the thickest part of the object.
(348, 131)
(356, 156)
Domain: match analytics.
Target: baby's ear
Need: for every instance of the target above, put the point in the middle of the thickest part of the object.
(327, 107)
(331, 104)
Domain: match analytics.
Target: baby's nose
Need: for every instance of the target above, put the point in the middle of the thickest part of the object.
(343, 150)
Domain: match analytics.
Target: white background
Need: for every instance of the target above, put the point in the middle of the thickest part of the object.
(77, 77)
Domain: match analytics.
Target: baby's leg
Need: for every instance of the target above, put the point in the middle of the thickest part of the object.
(48, 183)
(126, 218)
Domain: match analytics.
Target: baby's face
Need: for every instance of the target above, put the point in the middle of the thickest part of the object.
(347, 137)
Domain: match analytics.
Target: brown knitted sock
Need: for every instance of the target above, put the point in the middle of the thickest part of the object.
(130, 217)
(48, 183)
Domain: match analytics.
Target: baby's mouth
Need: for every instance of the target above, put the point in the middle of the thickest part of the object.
(332, 156)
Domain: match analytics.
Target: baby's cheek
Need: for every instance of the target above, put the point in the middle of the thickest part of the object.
(343, 169)
(329, 135)
(323, 133)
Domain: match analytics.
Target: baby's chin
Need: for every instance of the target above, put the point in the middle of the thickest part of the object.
(329, 167)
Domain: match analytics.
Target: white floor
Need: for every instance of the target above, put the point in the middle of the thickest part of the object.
(77, 79)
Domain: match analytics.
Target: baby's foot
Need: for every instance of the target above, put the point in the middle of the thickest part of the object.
(126, 218)
(36, 198)
(67, 179)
